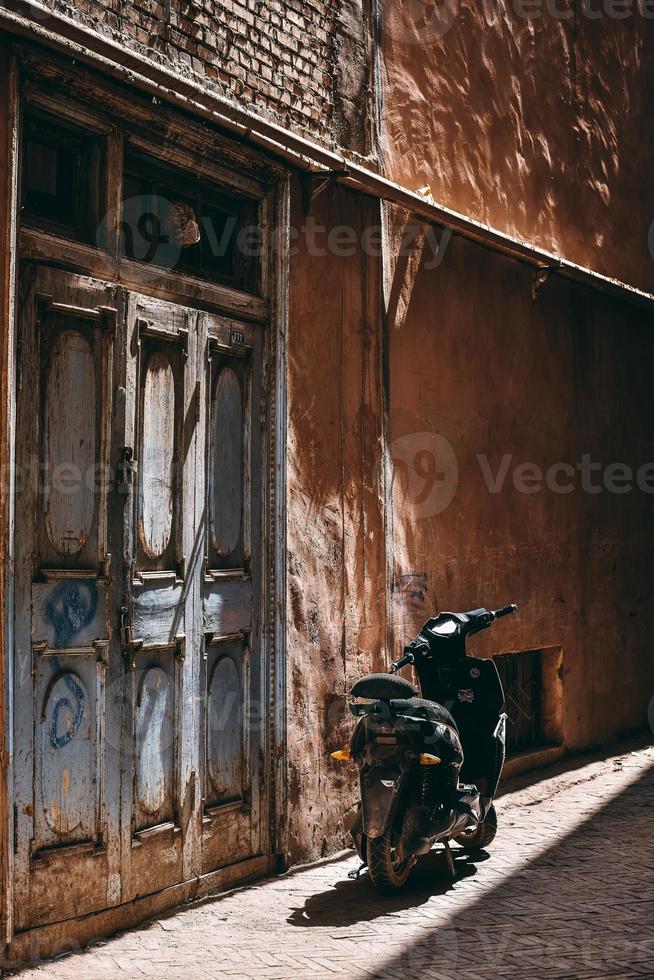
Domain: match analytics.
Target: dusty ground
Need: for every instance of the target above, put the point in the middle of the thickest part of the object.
(566, 891)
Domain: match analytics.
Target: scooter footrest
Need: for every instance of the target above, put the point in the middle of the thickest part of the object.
(427, 823)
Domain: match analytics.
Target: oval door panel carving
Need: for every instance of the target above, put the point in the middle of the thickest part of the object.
(226, 490)
(154, 740)
(70, 447)
(157, 456)
(67, 774)
(225, 731)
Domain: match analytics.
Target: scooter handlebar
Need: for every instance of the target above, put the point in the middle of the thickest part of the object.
(505, 611)
(408, 658)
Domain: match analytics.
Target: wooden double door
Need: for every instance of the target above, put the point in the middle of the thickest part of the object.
(141, 681)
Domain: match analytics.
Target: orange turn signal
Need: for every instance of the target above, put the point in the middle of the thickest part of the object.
(343, 755)
(429, 760)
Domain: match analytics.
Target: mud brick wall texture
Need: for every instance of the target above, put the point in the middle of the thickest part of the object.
(303, 64)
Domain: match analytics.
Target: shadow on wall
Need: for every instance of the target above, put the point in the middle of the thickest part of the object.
(532, 122)
(488, 385)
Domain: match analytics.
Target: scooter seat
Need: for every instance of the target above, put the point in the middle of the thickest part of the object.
(383, 687)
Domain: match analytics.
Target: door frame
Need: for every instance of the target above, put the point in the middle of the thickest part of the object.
(9, 105)
(19, 82)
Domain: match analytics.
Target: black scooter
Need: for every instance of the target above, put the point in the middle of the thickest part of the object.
(428, 767)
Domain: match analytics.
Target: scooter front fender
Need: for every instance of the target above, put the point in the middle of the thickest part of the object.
(381, 789)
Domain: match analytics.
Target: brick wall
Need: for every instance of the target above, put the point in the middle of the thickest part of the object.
(280, 57)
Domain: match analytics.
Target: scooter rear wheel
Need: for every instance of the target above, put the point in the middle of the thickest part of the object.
(482, 835)
(388, 865)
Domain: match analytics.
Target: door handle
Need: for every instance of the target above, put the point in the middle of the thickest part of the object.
(129, 645)
(125, 470)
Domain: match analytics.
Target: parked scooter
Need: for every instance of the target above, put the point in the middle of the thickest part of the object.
(428, 767)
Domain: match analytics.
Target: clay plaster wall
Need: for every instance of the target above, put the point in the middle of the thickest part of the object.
(478, 368)
(539, 125)
(336, 569)
(475, 367)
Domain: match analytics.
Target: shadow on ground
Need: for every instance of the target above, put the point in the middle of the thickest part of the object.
(583, 908)
(359, 901)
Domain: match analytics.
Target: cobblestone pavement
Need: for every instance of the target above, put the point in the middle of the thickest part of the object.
(566, 891)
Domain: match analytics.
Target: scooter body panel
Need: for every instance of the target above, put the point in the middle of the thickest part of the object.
(381, 789)
(387, 744)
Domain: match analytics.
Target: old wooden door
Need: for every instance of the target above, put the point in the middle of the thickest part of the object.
(141, 678)
(66, 655)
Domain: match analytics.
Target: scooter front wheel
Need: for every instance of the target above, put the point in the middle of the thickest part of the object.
(388, 865)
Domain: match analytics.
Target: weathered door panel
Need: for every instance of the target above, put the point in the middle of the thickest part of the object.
(66, 855)
(69, 612)
(230, 822)
(154, 745)
(155, 857)
(234, 684)
(69, 870)
(159, 596)
(227, 604)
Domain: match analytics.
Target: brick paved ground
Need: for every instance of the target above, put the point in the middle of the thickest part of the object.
(567, 891)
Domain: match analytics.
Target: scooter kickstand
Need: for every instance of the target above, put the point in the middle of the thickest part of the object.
(355, 873)
(449, 860)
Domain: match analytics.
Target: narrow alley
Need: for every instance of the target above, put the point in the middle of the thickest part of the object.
(567, 891)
